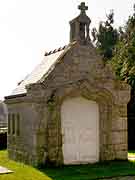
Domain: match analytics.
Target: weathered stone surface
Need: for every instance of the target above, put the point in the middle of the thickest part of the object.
(80, 72)
(41, 137)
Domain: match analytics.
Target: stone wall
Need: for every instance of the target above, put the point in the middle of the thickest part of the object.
(80, 72)
(22, 142)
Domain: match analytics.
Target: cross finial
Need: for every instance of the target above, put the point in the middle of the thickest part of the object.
(82, 7)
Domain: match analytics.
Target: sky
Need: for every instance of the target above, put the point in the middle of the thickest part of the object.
(28, 28)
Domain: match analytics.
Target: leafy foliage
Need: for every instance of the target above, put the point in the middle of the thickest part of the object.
(106, 37)
(124, 57)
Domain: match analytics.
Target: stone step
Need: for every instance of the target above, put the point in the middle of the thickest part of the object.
(4, 170)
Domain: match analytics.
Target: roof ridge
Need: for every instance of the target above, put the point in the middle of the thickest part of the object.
(55, 50)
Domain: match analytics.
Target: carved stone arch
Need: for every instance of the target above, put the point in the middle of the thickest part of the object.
(105, 100)
(53, 145)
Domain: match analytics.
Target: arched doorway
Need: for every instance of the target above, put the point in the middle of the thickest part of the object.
(80, 130)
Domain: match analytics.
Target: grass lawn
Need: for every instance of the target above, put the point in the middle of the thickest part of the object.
(131, 153)
(78, 172)
(21, 171)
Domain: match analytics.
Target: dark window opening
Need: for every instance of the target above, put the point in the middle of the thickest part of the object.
(18, 125)
(82, 31)
(13, 123)
(9, 123)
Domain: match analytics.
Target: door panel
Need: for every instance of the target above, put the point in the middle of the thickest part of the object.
(80, 129)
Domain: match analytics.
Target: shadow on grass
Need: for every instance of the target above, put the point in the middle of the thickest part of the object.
(91, 172)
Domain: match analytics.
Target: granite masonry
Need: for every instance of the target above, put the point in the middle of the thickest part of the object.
(35, 130)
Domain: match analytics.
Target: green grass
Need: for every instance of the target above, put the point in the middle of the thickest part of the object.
(78, 172)
(131, 153)
(91, 172)
(21, 171)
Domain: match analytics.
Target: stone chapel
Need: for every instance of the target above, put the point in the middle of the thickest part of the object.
(71, 109)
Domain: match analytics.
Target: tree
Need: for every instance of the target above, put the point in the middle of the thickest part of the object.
(106, 37)
(124, 58)
(124, 65)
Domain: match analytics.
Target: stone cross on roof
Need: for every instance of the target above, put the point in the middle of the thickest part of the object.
(82, 7)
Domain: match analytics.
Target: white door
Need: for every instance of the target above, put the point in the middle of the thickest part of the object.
(80, 130)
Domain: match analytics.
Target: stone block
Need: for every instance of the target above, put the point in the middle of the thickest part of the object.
(122, 109)
(120, 123)
(122, 155)
(120, 147)
(119, 137)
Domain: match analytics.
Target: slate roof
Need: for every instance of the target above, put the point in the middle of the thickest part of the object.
(48, 60)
